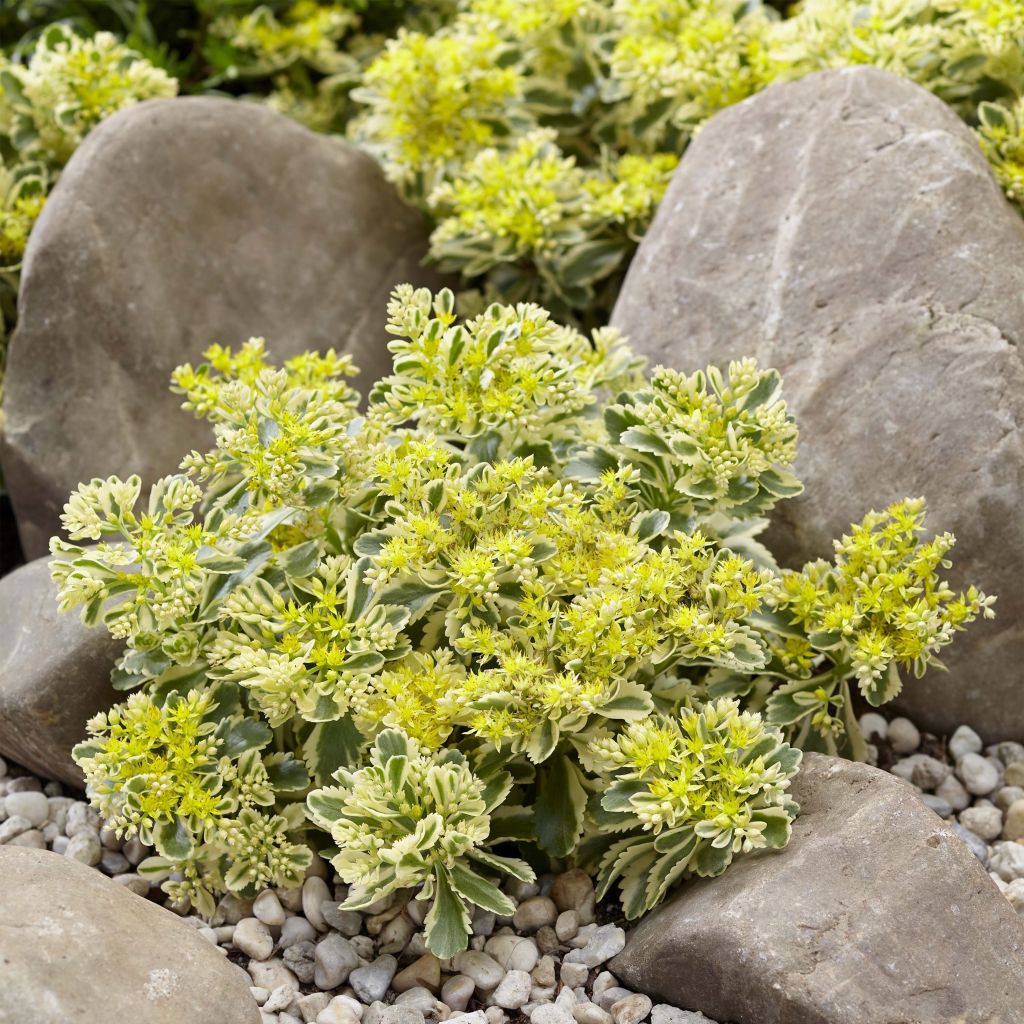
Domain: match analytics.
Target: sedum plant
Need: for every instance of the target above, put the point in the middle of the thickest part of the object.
(68, 85)
(49, 102)
(529, 106)
(1001, 134)
(514, 611)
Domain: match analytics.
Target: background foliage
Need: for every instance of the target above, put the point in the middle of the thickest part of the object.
(539, 135)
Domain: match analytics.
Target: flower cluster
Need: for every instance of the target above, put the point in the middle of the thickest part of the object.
(880, 607)
(69, 84)
(48, 104)
(24, 195)
(261, 43)
(1001, 134)
(23, 189)
(508, 602)
(691, 791)
(188, 776)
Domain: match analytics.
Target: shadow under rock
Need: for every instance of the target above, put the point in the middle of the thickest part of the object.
(11, 555)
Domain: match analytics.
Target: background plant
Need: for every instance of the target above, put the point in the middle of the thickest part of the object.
(514, 612)
(66, 65)
(538, 136)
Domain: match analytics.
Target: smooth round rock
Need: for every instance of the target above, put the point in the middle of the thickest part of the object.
(253, 938)
(904, 737)
(984, 822)
(177, 224)
(1014, 827)
(267, 908)
(424, 971)
(534, 913)
(370, 983)
(513, 952)
(964, 741)
(847, 230)
(335, 960)
(33, 806)
(54, 675)
(485, 971)
(75, 946)
(296, 929)
(951, 789)
(84, 847)
(978, 775)
(873, 726)
(33, 838)
(457, 992)
(571, 889)
(631, 1010)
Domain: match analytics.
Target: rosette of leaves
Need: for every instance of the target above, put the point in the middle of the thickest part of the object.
(702, 445)
(541, 228)
(414, 820)
(686, 794)
(1001, 134)
(191, 776)
(68, 85)
(474, 606)
(879, 608)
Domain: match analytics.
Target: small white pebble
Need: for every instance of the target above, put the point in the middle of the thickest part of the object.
(873, 725)
(903, 736)
(253, 938)
(31, 805)
(964, 741)
(267, 908)
(574, 975)
(978, 774)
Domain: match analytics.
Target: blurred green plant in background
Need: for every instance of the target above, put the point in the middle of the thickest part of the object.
(538, 135)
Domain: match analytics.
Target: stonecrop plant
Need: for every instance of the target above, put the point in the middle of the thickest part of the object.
(513, 612)
(502, 122)
(538, 136)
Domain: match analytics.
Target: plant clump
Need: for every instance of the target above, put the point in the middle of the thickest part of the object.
(600, 92)
(515, 611)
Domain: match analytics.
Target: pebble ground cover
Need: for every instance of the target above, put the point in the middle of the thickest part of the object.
(308, 959)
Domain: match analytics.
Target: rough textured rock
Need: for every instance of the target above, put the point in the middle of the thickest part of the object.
(54, 674)
(77, 948)
(874, 912)
(846, 229)
(177, 224)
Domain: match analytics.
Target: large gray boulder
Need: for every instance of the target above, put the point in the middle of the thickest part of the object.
(846, 229)
(177, 224)
(54, 675)
(876, 912)
(77, 947)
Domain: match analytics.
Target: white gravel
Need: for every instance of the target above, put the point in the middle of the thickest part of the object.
(310, 962)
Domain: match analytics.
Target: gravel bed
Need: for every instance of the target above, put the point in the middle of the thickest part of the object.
(310, 961)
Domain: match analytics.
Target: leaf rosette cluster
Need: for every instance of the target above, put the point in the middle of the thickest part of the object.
(514, 609)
